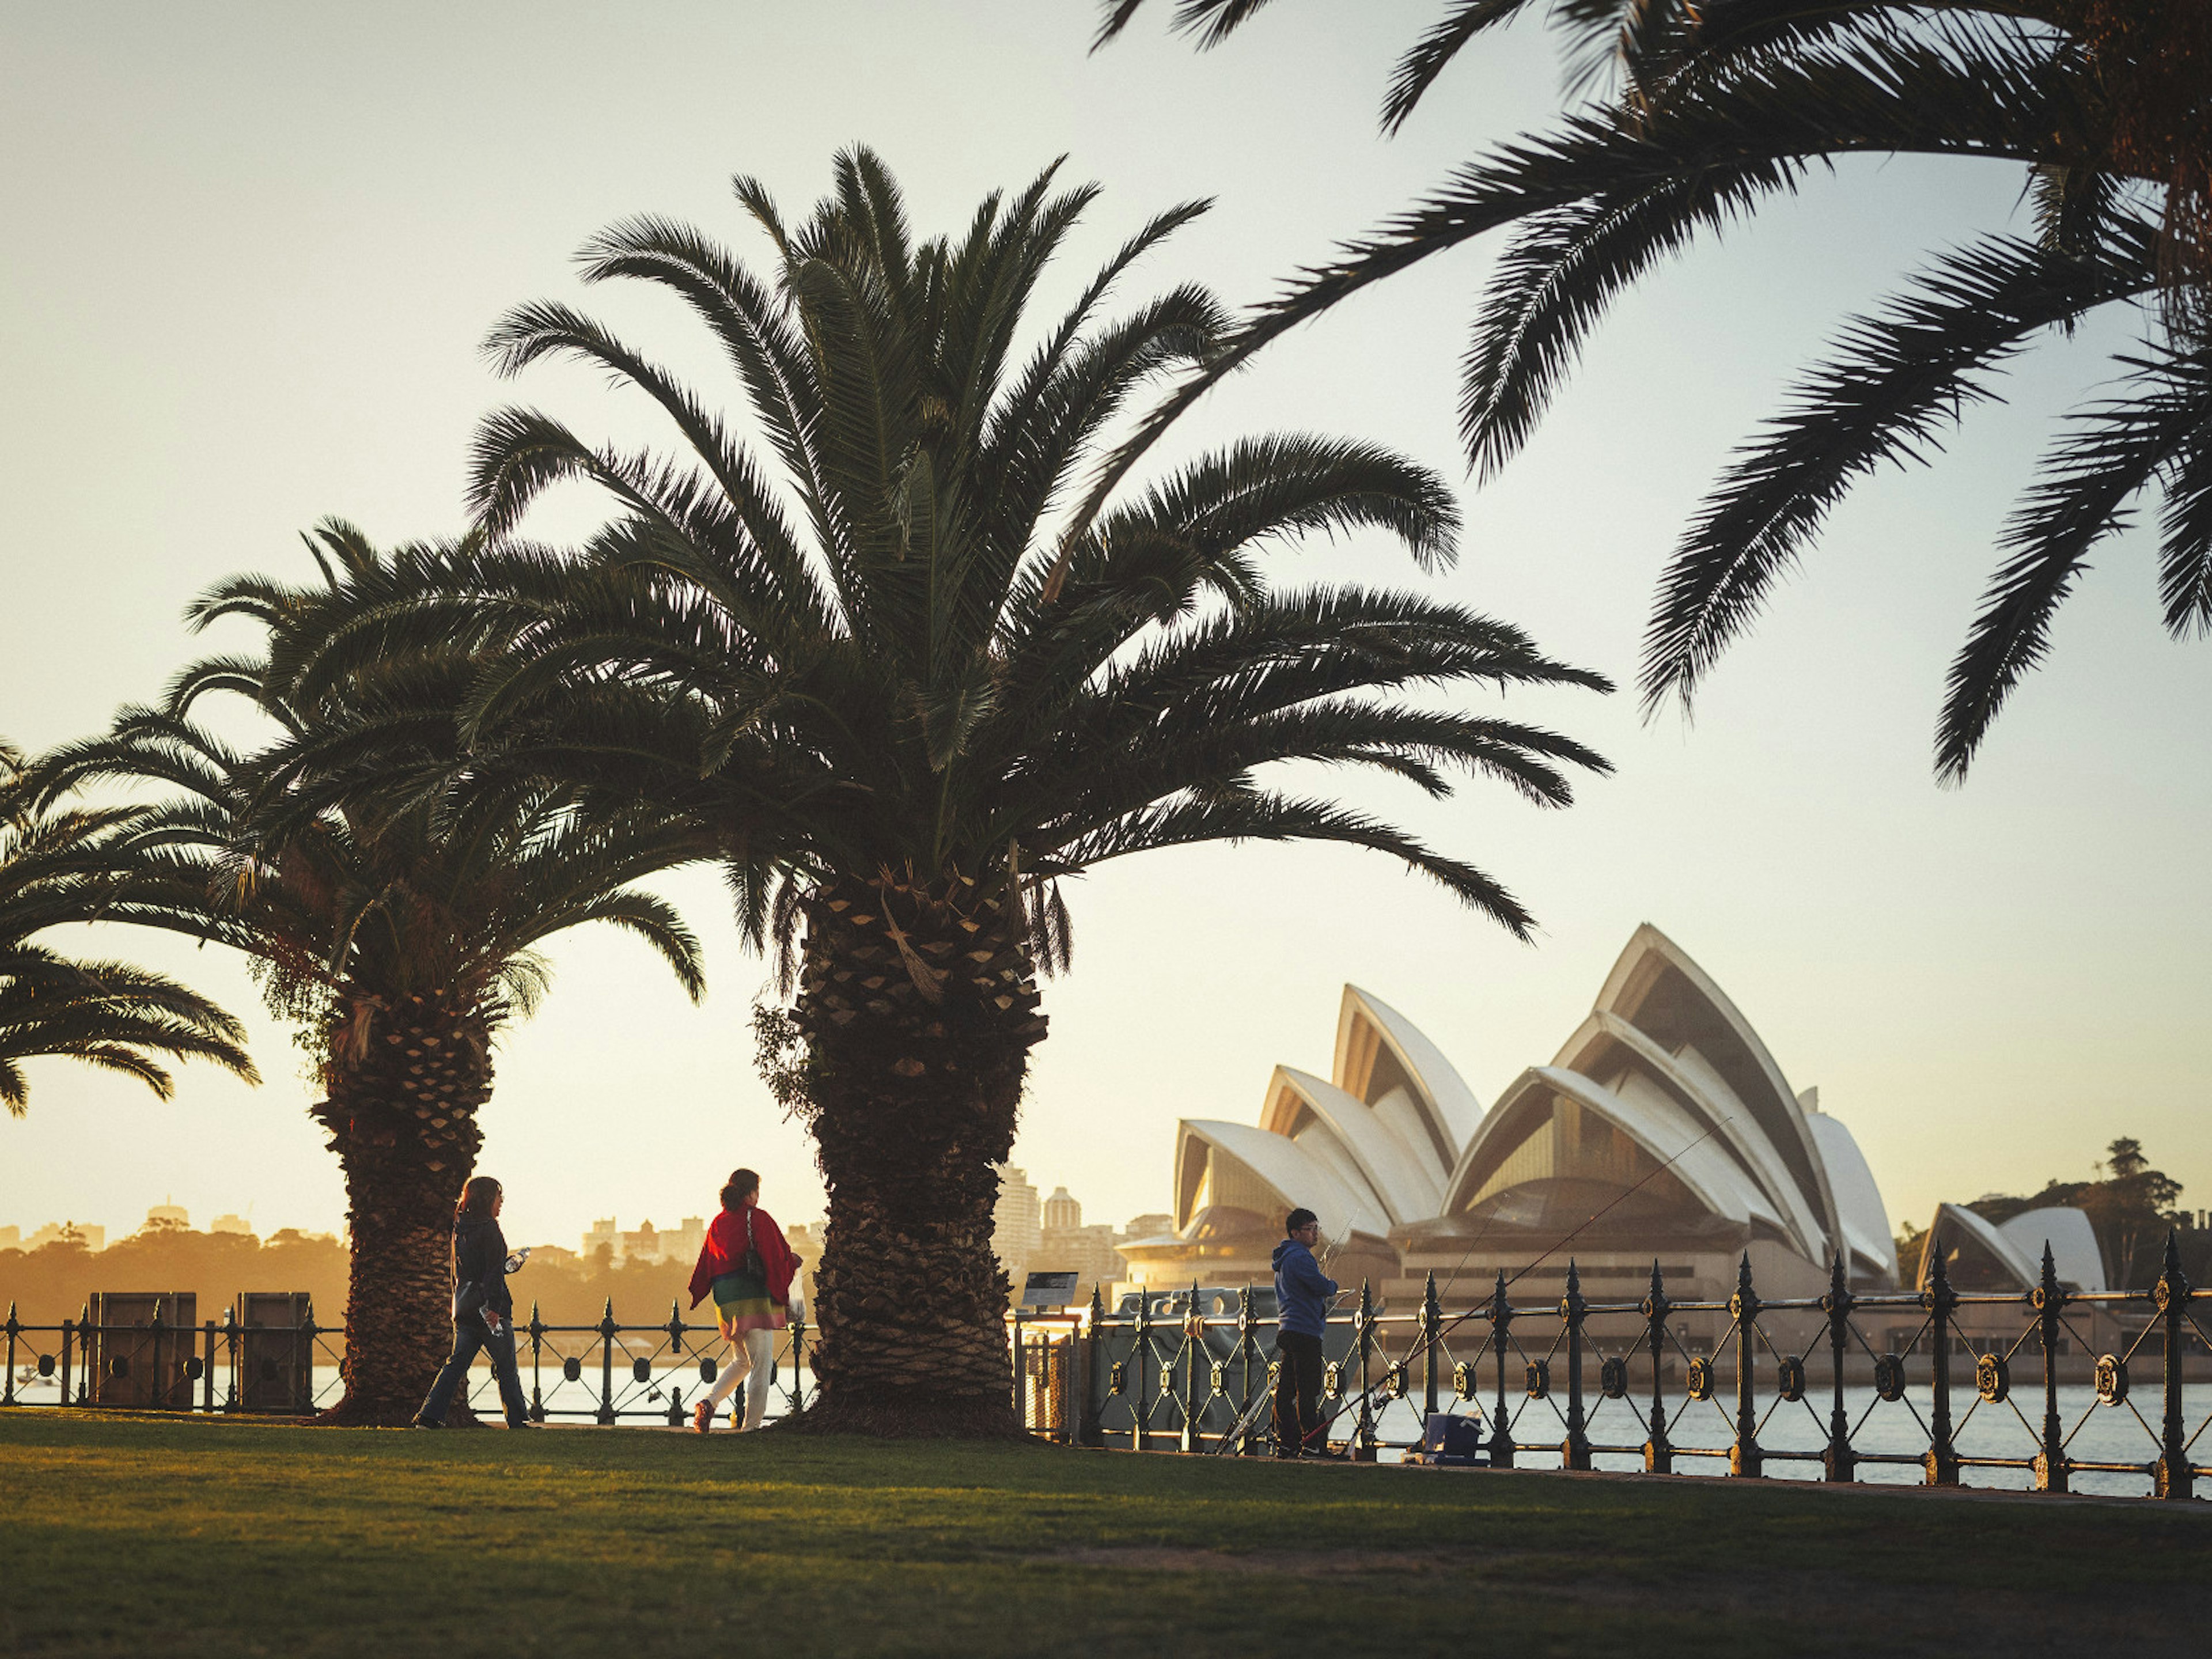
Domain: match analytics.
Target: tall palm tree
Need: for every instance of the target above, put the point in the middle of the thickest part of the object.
(910, 697)
(2105, 105)
(399, 931)
(58, 868)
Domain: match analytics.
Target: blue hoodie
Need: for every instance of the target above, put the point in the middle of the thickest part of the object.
(1301, 1290)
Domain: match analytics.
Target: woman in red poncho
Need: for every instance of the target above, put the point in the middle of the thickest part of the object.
(748, 1268)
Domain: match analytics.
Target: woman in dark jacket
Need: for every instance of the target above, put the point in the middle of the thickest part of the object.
(484, 1312)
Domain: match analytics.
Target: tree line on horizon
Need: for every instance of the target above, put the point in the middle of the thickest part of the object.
(921, 629)
(56, 1281)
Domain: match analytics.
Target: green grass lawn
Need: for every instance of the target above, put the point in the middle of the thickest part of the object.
(140, 1536)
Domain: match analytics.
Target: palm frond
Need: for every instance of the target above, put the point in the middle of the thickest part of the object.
(2111, 453)
(1900, 378)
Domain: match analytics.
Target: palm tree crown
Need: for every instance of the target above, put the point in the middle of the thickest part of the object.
(391, 900)
(60, 867)
(2105, 103)
(909, 656)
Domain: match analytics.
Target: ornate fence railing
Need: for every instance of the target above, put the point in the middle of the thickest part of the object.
(1845, 1386)
(607, 1372)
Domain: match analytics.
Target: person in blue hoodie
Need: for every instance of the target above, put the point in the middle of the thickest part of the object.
(1302, 1292)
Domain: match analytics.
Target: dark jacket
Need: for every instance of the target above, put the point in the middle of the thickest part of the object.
(1302, 1291)
(480, 1259)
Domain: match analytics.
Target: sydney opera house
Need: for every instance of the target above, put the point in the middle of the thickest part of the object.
(1662, 1114)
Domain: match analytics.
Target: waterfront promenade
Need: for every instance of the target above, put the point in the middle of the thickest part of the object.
(257, 1537)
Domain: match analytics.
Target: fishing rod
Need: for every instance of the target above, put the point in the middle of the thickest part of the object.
(1257, 1406)
(1255, 1409)
(1629, 1192)
(1422, 1343)
(1248, 1418)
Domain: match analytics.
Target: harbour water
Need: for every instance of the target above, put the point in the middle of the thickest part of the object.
(2093, 1433)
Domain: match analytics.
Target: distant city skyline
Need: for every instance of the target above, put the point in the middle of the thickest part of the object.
(1025, 1224)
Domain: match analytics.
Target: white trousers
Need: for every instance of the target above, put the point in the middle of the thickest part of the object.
(754, 1352)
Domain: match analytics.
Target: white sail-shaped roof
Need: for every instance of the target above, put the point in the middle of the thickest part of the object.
(1266, 1175)
(1416, 1083)
(1624, 1056)
(1858, 1199)
(1667, 1061)
(2016, 1246)
(2073, 1241)
(1665, 1079)
(1398, 1171)
(1954, 1221)
(1654, 1123)
(1656, 988)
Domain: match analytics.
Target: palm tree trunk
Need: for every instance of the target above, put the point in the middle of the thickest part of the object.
(918, 1012)
(405, 1076)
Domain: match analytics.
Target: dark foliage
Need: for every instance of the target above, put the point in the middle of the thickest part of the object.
(64, 867)
(2130, 1207)
(2106, 107)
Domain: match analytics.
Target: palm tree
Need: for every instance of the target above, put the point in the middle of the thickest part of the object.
(398, 932)
(909, 696)
(62, 867)
(2107, 107)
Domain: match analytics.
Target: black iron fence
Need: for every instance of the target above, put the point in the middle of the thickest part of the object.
(1845, 1386)
(267, 1355)
(608, 1372)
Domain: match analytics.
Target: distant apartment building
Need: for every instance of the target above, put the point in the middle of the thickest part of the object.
(682, 1244)
(167, 1214)
(805, 1239)
(1066, 1245)
(231, 1224)
(11, 1238)
(1016, 1223)
(647, 1242)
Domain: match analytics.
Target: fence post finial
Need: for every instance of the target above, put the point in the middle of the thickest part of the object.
(1658, 1452)
(2171, 1296)
(1575, 1451)
(2047, 1299)
(1501, 1325)
(1745, 1458)
(1939, 1298)
(1432, 1320)
(1090, 1428)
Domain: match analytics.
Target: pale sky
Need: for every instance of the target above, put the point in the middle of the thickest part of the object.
(247, 254)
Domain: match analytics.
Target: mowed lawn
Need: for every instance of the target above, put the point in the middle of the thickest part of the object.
(151, 1537)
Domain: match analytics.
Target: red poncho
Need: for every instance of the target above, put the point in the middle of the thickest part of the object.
(724, 1252)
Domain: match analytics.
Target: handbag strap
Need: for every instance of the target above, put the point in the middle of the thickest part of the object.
(753, 1263)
